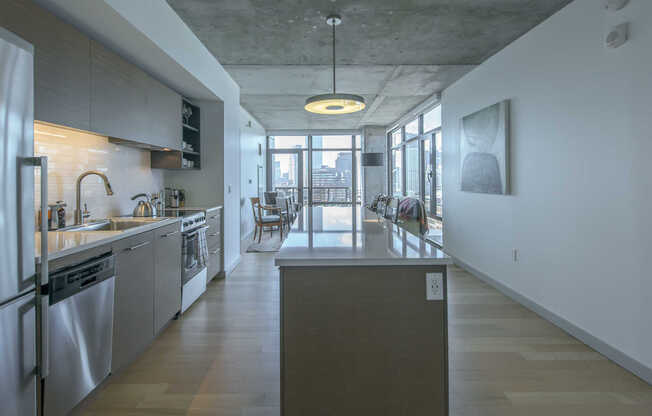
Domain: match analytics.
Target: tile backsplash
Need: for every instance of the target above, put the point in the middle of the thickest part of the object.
(72, 152)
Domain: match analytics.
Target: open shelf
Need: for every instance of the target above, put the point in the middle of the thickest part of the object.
(191, 134)
(189, 127)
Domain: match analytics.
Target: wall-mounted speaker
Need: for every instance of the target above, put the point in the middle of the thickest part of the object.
(372, 159)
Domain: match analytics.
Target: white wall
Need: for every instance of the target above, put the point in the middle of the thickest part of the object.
(250, 138)
(581, 125)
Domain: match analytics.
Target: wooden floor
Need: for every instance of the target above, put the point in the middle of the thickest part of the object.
(222, 358)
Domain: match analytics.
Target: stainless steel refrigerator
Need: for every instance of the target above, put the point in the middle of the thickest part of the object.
(22, 316)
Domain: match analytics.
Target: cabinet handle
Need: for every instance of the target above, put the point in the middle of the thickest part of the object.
(137, 246)
(169, 234)
(213, 235)
(214, 252)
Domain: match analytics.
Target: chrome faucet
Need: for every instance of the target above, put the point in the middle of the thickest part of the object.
(79, 217)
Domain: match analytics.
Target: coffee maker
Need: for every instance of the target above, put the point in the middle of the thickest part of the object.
(175, 198)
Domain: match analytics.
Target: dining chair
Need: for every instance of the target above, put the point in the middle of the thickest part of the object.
(261, 221)
(270, 198)
(289, 209)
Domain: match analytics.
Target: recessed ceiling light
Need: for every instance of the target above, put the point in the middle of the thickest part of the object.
(334, 103)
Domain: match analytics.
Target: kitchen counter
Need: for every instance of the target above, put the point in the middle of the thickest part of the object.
(64, 243)
(207, 209)
(353, 236)
(371, 298)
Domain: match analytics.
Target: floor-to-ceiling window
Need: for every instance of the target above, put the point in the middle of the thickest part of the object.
(286, 165)
(415, 155)
(318, 169)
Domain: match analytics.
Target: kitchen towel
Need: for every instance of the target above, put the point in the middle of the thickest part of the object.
(203, 246)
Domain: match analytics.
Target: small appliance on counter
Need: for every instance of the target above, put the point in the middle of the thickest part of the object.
(144, 208)
(175, 198)
(56, 216)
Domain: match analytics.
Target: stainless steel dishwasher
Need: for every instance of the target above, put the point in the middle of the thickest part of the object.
(80, 332)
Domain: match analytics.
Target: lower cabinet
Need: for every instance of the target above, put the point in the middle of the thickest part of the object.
(147, 290)
(167, 274)
(214, 266)
(133, 325)
(214, 242)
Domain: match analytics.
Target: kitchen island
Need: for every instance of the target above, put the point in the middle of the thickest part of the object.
(363, 317)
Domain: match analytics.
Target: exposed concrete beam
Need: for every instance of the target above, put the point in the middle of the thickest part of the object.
(380, 97)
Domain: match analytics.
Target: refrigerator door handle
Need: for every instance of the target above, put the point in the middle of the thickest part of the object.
(42, 299)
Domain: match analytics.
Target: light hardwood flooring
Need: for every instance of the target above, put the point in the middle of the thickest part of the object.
(222, 358)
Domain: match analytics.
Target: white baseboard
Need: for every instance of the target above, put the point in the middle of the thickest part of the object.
(614, 354)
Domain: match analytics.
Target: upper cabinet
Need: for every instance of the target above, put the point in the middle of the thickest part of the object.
(80, 83)
(118, 96)
(61, 63)
(164, 108)
(128, 104)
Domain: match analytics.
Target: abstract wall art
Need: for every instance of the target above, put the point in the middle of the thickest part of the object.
(484, 150)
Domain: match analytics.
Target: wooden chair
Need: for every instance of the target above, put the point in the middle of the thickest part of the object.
(262, 221)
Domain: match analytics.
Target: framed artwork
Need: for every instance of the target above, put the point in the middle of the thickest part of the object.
(484, 150)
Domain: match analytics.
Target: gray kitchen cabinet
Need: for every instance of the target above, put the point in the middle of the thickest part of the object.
(214, 266)
(61, 63)
(167, 274)
(214, 242)
(118, 96)
(164, 115)
(133, 327)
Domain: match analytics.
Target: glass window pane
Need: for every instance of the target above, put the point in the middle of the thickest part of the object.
(412, 129)
(396, 137)
(427, 167)
(412, 169)
(285, 175)
(331, 177)
(331, 142)
(432, 119)
(397, 171)
(358, 145)
(438, 169)
(288, 142)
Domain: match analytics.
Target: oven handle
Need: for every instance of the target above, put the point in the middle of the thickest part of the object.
(195, 231)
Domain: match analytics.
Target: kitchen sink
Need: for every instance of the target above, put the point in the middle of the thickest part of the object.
(111, 224)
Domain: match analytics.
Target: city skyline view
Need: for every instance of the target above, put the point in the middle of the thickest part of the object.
(332, 167)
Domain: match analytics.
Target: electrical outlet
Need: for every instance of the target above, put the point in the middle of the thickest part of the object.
(434, 286)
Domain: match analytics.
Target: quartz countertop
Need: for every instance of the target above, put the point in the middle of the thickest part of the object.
(353, 236)
(64, 243)
(195, 208)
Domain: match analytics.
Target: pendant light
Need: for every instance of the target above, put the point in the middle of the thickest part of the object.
(334, 103)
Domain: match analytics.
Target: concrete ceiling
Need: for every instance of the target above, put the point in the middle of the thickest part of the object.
(394, 53)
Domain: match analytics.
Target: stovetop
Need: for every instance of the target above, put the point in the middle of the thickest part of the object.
(179, 212)
(191, 219)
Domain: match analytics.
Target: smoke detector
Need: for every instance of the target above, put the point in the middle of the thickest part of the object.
(617, 36)
(614, 5)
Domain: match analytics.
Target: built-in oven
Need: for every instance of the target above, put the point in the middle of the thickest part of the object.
(193, 273)
(190, 254)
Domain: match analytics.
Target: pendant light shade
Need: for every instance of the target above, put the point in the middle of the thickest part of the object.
(334, 103)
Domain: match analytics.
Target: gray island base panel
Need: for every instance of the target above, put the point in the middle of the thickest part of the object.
(358, 338)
